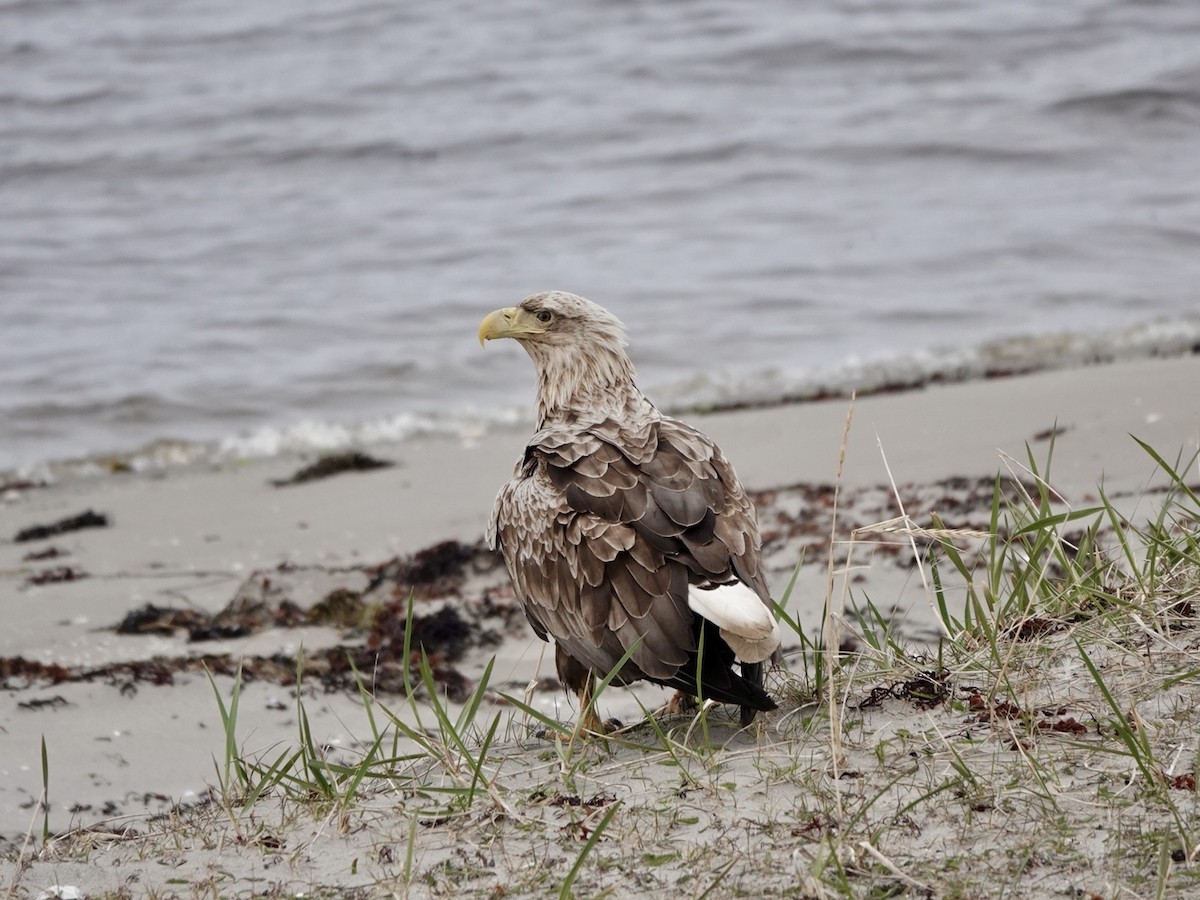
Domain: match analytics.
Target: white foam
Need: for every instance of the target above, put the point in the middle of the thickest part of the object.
(312, 435)
(1005, 356)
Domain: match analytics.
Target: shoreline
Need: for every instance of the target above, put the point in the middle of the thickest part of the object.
(1011, 357)
(193, 539)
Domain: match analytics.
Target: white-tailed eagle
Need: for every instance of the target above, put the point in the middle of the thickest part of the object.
(624, 528)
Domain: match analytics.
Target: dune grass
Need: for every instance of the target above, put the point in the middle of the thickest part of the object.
(1047, 745)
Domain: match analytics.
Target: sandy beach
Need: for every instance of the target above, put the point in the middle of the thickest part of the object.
(129, 721)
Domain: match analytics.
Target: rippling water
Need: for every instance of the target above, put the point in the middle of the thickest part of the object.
(224, 218)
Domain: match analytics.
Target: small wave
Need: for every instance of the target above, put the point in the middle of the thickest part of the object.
(309, 436)
(217, 38)
(1151, 104)
(718, 152)
(1017, 355)
(134, 406)
(938, 151)
(163, 166)
(22, 7)
(768, 57)
(388, 151)
(86, 164)
(65, 100)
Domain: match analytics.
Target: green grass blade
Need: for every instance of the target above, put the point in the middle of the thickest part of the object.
(271, 777)
(551, 725)
(311, 758)
(477, 766)
(45, 792)
(1046, 523)
(603, 683)
(467, 717)
(1172, 471)
(365, 696)
(229, 716)
(1134, 740)
(564, 892)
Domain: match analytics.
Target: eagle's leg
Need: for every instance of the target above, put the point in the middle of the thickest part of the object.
(578, 679)
(682, 702)
(588, 720)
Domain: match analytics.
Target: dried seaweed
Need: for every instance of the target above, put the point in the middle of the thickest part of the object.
(333, 464)
(88, 519)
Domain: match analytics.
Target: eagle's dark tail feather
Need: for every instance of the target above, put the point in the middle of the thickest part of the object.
(752, 674)
(711, 676)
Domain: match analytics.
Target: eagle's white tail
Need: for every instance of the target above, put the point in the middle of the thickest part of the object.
(745, 622)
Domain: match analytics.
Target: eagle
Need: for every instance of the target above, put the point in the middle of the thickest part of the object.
(626, 533)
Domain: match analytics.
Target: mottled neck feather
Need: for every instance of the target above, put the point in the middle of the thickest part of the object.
(586, 385)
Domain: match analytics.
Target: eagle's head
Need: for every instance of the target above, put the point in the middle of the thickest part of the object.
(555, 319)
(578, 349)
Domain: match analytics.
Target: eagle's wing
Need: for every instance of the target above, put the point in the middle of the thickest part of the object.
(604, 529)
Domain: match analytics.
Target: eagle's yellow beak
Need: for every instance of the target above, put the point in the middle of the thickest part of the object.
(510, 322)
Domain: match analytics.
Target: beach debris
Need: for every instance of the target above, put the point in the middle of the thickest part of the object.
(268, 842)
(445, 633)
(435, 571)
(39, 703)
(1049, 434)
(1034, 627)
(450, 617)
(925, 691)
(56, 575)
(13, 488)
(340, 608)
(165, 621)
(1183, 782)
(51, 552)
(61, 892)
(442, 638)
(88, 519)
(17, 672)
(1064, 726)
(334, 464)
(1053, 719)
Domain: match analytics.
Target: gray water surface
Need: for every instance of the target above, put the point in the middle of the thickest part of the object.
(283, 220)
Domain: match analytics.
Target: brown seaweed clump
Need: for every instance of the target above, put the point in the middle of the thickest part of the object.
(334, 464)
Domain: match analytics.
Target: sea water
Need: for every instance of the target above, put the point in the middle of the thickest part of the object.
(242, 226)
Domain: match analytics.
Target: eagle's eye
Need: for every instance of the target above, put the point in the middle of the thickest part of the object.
(544, 316)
